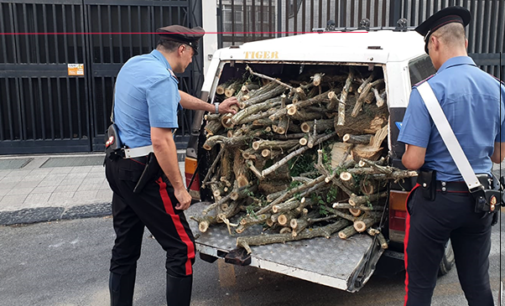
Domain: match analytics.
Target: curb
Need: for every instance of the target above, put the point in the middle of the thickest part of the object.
(47, 214)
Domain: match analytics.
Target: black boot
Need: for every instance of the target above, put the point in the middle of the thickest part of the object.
(121, 289)
(179, 290)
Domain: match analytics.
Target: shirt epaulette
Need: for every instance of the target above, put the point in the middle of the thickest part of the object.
(173, 74)
(421, 82)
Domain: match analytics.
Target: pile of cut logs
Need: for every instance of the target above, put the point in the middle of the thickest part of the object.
(303, 159)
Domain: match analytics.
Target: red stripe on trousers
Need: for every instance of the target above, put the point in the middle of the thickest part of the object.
(178, 225)
(405, 242)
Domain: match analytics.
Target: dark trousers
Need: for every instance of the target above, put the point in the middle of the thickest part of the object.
(430, 224)
(154, 207)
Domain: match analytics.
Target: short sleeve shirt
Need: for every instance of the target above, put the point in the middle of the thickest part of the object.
(146, 95)
(473, 102)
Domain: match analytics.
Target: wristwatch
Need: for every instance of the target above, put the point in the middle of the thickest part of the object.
(217, 107)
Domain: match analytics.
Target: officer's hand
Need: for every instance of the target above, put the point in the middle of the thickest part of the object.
(184, 199)
(229, 105)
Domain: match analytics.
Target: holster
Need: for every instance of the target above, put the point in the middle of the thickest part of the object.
(488, 199)
(112, 143)
(151, 172)
(428, 182)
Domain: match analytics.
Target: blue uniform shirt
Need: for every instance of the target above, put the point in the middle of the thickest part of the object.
(146, 96)
(470, 99)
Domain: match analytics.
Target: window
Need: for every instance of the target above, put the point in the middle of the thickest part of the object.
(420, 68)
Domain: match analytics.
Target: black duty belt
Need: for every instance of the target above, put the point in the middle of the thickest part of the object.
(459, 186)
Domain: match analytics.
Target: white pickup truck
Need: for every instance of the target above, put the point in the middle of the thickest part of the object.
(342, 264)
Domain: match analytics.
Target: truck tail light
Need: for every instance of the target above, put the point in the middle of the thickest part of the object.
(190, 166)
(397, 215)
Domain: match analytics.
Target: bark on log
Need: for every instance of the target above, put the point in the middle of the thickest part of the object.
(369, 121)
(213, 166)
(261, 115)
(240, 169)
(249, 221)
(362, 96)
(358, 200)
(288, 157)
(326, 231)
(334, 101)
(382, 241)
(232, 88)
(286, 206)
(365, 82)
(369, 98)
(322, 125)
(267, 77)
(306, 116)
(341, 118)
(273, 144)
(268, 187)
(293, 108)
(361, 207)
(357, 139)
(213, 127)
(263, 97)
(253, 109)
(227, 141)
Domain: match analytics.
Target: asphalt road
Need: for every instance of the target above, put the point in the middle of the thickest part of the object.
(66, 263)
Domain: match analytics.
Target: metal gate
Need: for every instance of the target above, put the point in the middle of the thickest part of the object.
(249, 20)
(50, 105)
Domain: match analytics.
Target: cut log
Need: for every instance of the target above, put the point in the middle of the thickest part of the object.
(325, 231)
(222, 87)
(249, 221)
(213, 166)
(365, 82)
(369, 98)
(227, 141)
(302, 115)
(348, 181)
(249, 87)
(283, 161)
(286, 206)
(378, 98)
(382, 241)
(347, 232)
(322, 125)
(232, 88)
(362, 96)
(285, 217)
(254, 109)
(240, 169)
(263, 97)
(369, 121)
(359, 200)
(274, 144)
(334, 101)
(282, 127)
(357, 139)
(361, 207)
(340, 119)
(301, 94)
(339, 153)
(293, 108)
(365, 222)
(261, 115)
(316, 79)
(355, 212)
(213, 127)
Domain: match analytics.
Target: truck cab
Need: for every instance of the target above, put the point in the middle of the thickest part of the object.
(402, 62)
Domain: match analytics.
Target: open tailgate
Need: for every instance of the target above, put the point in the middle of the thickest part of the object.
(337, 263)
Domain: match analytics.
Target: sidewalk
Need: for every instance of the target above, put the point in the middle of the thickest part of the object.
(45, 188)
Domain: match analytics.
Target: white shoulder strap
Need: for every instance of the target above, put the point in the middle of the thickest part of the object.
(447, 134)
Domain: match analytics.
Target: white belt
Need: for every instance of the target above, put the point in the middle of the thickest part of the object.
(138, 152)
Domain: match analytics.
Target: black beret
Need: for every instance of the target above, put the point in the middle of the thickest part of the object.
(183, 35)
(445, 16)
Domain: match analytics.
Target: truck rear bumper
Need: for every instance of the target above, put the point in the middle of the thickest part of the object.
(337, 263)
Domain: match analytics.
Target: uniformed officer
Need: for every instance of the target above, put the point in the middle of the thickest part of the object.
(145, 112)
(470, 99)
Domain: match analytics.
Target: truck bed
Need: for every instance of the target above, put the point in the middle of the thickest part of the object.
(337, 263)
